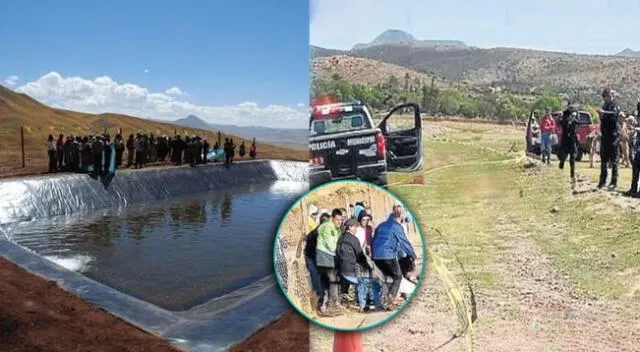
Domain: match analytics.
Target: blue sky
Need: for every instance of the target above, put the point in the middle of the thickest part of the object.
(587, 26)
(221, 53)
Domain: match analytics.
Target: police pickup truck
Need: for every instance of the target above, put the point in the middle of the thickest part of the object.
(346, 144)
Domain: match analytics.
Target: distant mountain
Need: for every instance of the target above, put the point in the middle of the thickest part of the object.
(193, 121)
(398, 37)
(628, 53)
(293, 138)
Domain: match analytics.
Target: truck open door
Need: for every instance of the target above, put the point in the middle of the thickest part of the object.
(402, 130)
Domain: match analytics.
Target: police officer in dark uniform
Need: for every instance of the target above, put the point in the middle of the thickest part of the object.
(635, 163)
(569, 140)
(610, 131)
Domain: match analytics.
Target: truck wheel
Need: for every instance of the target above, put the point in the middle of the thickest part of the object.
(579, 154)
(382, 180)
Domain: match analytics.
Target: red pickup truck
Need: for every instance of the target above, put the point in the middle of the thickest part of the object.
(586, 126)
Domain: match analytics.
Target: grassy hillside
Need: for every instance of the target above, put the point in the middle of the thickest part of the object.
(40, 120)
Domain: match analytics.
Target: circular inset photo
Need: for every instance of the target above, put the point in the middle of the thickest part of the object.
(349, 255)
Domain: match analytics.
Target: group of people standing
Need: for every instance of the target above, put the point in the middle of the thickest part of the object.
(618, 138)
(345, 249)
(98, 154)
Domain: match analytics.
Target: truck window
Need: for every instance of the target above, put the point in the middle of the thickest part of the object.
(339, 124)
(584, 118)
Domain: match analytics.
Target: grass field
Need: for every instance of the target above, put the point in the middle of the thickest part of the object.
(551, 270)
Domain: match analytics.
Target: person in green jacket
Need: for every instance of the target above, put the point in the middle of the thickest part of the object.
(328, 236)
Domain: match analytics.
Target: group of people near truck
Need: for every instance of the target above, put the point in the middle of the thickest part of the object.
(617, 141)
(99, 155)
(350, 259)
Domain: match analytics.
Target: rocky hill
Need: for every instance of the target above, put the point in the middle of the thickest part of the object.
(582, 77)
(367, 71)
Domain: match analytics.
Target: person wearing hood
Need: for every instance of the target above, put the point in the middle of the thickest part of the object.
(355, 266)
(313, 215)
(389, 243)
(328, 236)
(359, 207)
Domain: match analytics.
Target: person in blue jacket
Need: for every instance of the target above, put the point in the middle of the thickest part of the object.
(389, 244)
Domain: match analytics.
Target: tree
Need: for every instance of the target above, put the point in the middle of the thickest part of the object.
(547, 102)
(470, 108)
(593, 111)
(393, 82)
(407, 79)
(449, 101)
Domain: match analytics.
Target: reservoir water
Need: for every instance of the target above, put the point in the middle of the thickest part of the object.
(176, 253)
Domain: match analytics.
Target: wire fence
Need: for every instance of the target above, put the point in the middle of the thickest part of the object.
(23, 148)
(290, 263)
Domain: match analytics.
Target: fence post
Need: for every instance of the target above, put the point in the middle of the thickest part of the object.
(219, 139)
(22, 144)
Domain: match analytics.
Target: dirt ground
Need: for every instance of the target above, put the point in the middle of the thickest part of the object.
(551, 269)
(289, 333)
(38, 315)
(329, 197)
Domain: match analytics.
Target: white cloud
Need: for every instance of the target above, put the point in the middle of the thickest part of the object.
(11, 80)
(103, 94)
(146, 70)
(301, 105)
(175, 91)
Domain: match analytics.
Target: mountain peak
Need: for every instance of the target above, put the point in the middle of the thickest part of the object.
(400, 37)
(193, 118)
(628, 53)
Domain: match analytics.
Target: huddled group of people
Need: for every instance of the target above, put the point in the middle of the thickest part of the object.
(617, 141)
(98, 154)
(345, 249)
(94, 153)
